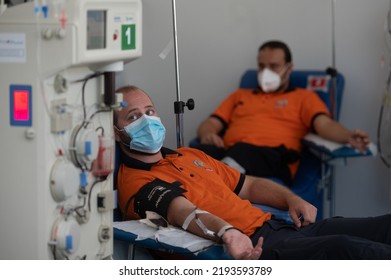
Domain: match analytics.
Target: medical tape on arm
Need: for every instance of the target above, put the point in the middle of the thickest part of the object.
(201, 225)
(193, 215)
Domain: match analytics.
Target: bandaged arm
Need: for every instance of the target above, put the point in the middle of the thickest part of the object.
(181, 212)
(168, 200)
(238, 245)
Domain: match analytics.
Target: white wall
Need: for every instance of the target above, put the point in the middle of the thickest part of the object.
(363, 186)
(218, 40)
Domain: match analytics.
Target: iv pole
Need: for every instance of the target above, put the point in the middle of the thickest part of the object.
(179, 105)
(332, 71)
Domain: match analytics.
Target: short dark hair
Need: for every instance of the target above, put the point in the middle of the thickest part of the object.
(274, 44)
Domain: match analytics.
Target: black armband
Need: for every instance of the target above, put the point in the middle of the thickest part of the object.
(156, 196)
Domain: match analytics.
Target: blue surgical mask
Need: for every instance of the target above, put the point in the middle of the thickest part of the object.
(146, 134)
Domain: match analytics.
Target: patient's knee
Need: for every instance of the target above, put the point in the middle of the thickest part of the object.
(351, 247)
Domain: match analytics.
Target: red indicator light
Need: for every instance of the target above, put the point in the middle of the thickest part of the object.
(21, 105)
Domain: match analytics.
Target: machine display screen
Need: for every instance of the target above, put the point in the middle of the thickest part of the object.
(20, 105)
(96, 29)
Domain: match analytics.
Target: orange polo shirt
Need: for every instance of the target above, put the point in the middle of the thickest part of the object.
(210, 185)
(269, 119)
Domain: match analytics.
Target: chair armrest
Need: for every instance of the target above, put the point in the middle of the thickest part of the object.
(172, 240)
(332, 149)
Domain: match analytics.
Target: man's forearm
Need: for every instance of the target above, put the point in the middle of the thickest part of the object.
(266, 191)
(331, 130)
(180, 209)
(336, 132)
(210, 125)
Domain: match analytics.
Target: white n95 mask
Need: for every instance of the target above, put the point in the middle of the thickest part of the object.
(269, 80)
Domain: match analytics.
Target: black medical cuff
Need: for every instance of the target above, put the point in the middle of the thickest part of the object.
(313, 120)
(156, 196)
(239, 185)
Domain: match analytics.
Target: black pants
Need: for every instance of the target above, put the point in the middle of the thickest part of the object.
(332, 239)
(258, 161)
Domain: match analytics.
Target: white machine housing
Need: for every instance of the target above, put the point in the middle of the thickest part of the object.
(56, 185)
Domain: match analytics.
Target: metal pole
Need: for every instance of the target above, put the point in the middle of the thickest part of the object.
(333, 106)
(178, 106)
(334, 75)
(333, 31)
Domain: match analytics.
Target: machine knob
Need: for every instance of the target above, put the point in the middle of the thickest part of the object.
(47, 33)
(30, 133)
(190, 104)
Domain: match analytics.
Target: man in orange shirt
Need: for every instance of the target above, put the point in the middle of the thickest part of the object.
(202, 195)
(263, 128)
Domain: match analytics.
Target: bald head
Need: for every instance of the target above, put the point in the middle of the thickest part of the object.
(138, 103)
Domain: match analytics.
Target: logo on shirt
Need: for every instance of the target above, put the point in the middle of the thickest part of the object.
(281, 103)
(202, 165)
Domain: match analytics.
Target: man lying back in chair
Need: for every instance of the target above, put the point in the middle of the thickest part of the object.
(264, 127)
(204, 196)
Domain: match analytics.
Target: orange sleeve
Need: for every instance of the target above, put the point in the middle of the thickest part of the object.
(128, 186)
(312, 105)
(225, 109)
